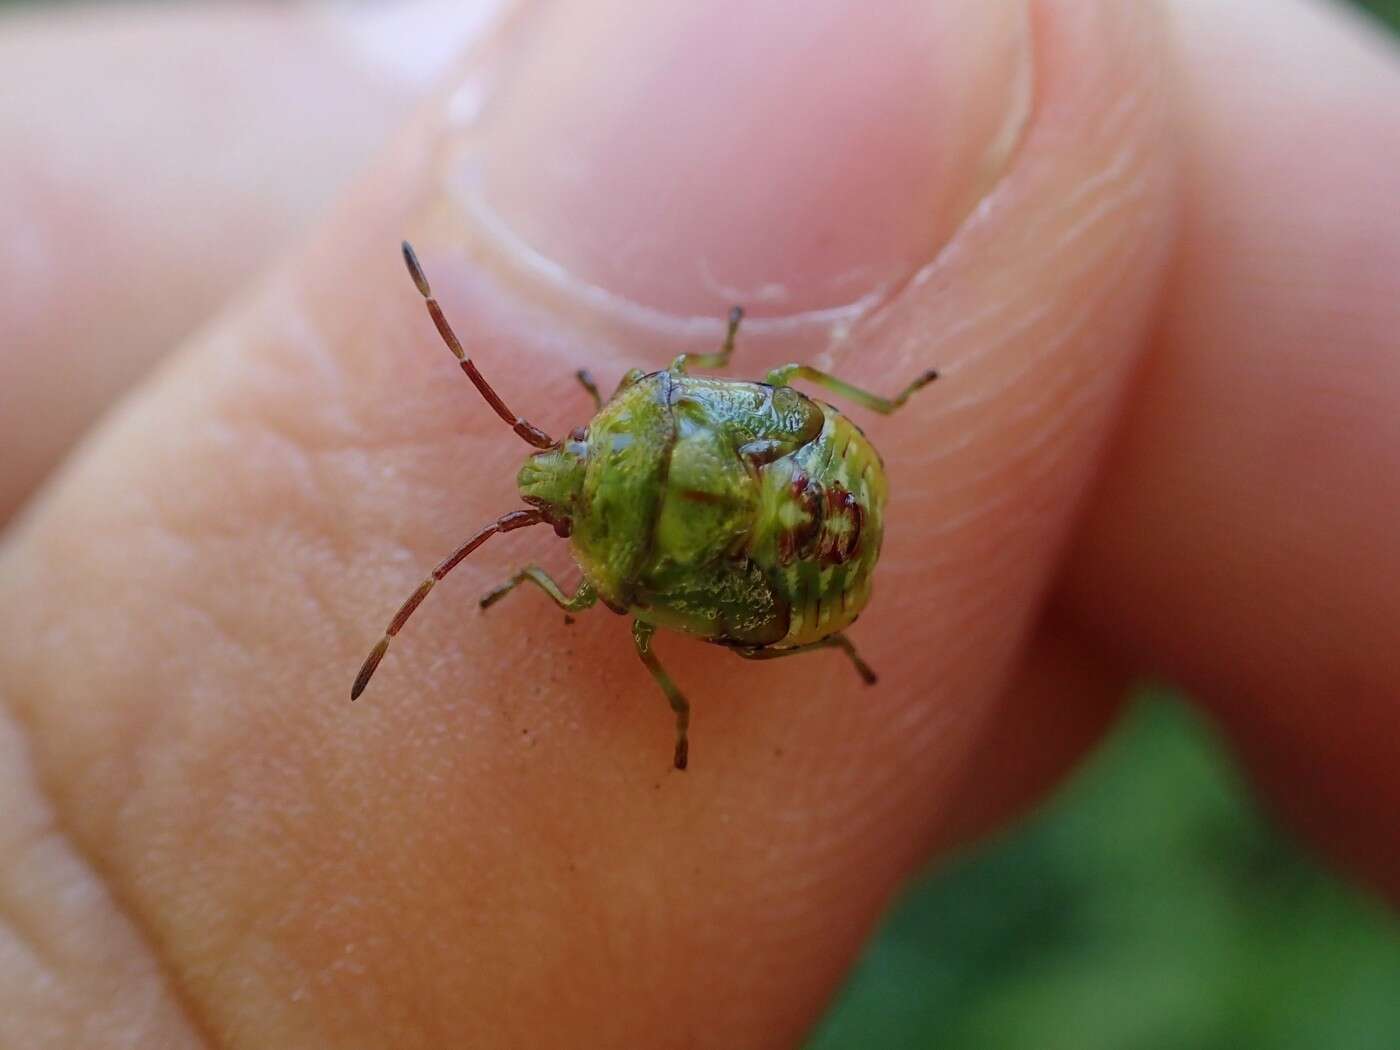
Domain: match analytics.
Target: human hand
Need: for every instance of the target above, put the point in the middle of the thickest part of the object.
(1159, 284)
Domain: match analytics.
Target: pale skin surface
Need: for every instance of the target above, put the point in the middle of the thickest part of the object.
(1165, 438)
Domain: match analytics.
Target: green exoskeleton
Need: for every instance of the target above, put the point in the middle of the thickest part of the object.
(745, 514)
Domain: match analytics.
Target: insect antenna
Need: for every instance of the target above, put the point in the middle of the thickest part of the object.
(527, 431)
(516, 519)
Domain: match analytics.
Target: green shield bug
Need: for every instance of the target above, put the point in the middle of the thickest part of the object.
(746, 514)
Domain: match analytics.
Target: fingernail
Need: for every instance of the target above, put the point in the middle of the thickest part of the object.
(413, 41)
(678, 158)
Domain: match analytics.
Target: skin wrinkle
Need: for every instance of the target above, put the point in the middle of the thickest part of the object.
(320, 472)
(194, 603)
(315, 450)
(51, 827)
(1080, 393)
(1076, 391)
(27, 932)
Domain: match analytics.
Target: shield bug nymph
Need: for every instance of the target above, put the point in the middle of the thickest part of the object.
(742, 513)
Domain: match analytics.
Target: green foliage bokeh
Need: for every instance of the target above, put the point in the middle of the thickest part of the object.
(1149, 907)
(1387, 10)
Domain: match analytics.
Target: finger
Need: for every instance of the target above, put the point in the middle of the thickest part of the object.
(491, 841)
(1061, 700)
(147, 175)
(1244, 540)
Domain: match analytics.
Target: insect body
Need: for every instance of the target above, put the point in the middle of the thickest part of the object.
(745, 514)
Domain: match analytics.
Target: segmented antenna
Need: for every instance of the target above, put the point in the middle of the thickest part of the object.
(527, 431)
(516, 519)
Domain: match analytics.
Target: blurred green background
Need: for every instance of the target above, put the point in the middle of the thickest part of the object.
(1387, 10)
(1150, 906)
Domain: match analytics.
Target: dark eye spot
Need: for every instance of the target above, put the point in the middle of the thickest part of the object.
(579, 433)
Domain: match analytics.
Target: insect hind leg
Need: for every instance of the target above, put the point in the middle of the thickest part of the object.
(641, 637)
(834, 641)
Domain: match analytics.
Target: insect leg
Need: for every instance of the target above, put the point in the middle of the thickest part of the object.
(628, 379)
(720, 358)
(526, 430)
(516, 519)
(580, 600)
(585, 378)
(641, 635)
(866, 672)
(834, 641)
(784, 375)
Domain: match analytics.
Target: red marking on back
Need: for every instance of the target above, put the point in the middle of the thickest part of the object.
(841, 525)
(796, 541)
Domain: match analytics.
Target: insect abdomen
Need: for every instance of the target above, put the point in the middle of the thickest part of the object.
(824, 511)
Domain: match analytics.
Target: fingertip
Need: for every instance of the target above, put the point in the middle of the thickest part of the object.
(790, 191)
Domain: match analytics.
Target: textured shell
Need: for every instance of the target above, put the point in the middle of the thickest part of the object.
(821, 565)
(739, 512)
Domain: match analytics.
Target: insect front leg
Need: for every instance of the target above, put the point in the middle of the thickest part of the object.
(720, 358)
(581, 599)
(629, 378)
(834, 641)
(585, 379)
(641, 636)
(884, 405)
